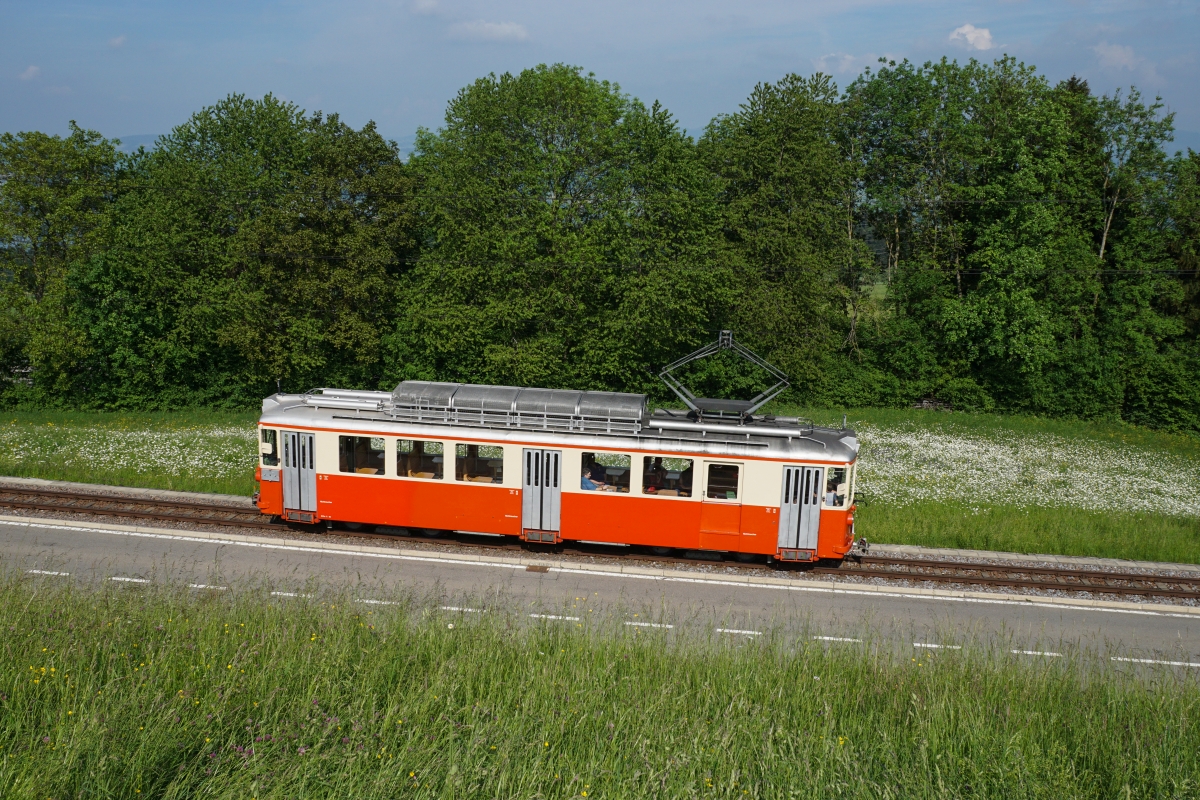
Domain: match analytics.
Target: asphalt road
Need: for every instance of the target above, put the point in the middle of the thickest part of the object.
(722, 604)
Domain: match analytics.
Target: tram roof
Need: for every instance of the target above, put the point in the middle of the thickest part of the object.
(518, 400)
(604, 420)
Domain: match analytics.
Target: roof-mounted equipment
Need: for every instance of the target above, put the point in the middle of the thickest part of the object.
(716, 409)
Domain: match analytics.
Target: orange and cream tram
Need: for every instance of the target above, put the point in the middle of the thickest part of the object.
(549, 466)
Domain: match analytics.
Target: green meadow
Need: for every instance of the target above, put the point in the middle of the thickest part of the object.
(150, 692)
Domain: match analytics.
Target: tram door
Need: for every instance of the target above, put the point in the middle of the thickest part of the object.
(541, 491)
(299, 472)
(800, 507)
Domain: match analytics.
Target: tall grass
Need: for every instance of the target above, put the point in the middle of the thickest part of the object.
(150, 692)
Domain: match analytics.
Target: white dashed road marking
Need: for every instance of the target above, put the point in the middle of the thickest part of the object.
(1037, 653)
(128, 580)
(46, 572)
(735, 630)
(554, 616)
(837, 639)
(649, 625)
(932, 646)
(1155, 661)
(206, 586)
(464, 610)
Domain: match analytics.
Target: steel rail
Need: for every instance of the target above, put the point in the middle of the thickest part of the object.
(1013, 575)
(131, 507)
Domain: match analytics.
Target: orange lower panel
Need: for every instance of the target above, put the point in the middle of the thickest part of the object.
(270, 497)
(660, 522)
(760, 530)
(630, 519)
(443, 505)
(833, 537)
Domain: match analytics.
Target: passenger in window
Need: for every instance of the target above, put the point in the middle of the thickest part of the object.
(656, 475)
(835, 488)
(587, 484)
(598, 472)
(610, 471)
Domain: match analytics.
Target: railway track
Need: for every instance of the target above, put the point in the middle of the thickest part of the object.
(1015, 575)
(911, 570)
(131, 507)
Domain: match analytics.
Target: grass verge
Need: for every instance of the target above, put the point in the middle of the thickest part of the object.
(1057, 531)
(196, 451)
(150, 692)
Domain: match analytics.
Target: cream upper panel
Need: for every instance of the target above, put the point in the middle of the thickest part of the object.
(327, 452)
(762, 481)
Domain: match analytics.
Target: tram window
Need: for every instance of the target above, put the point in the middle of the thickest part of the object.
(269, 448)
(417, 458)
(610, 472)
(479, 463)
(361, 454)
(836, 487)
(722, 481)
(667, 477)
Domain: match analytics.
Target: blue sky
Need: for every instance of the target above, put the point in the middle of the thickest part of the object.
(128, 67)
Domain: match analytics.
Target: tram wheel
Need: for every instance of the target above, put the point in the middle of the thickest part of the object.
(661, 551)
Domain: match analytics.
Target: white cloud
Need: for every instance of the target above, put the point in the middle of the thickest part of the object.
(482, 31)
(976, 38)
(117, 41)
(30, 73)
(1116, 56)
(424, 6)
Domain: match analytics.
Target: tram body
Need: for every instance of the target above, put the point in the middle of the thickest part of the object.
(509, 461)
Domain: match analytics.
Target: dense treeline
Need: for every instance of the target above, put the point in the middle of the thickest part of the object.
(968, 233)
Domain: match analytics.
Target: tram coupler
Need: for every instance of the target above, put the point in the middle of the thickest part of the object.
(859, 548)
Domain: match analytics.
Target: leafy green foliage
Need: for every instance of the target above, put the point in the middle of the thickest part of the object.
(967, 233)
(568, 239)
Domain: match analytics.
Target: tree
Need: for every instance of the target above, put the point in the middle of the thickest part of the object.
(259, 246)
(567, 234)
(55, 195)
(788, 195)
